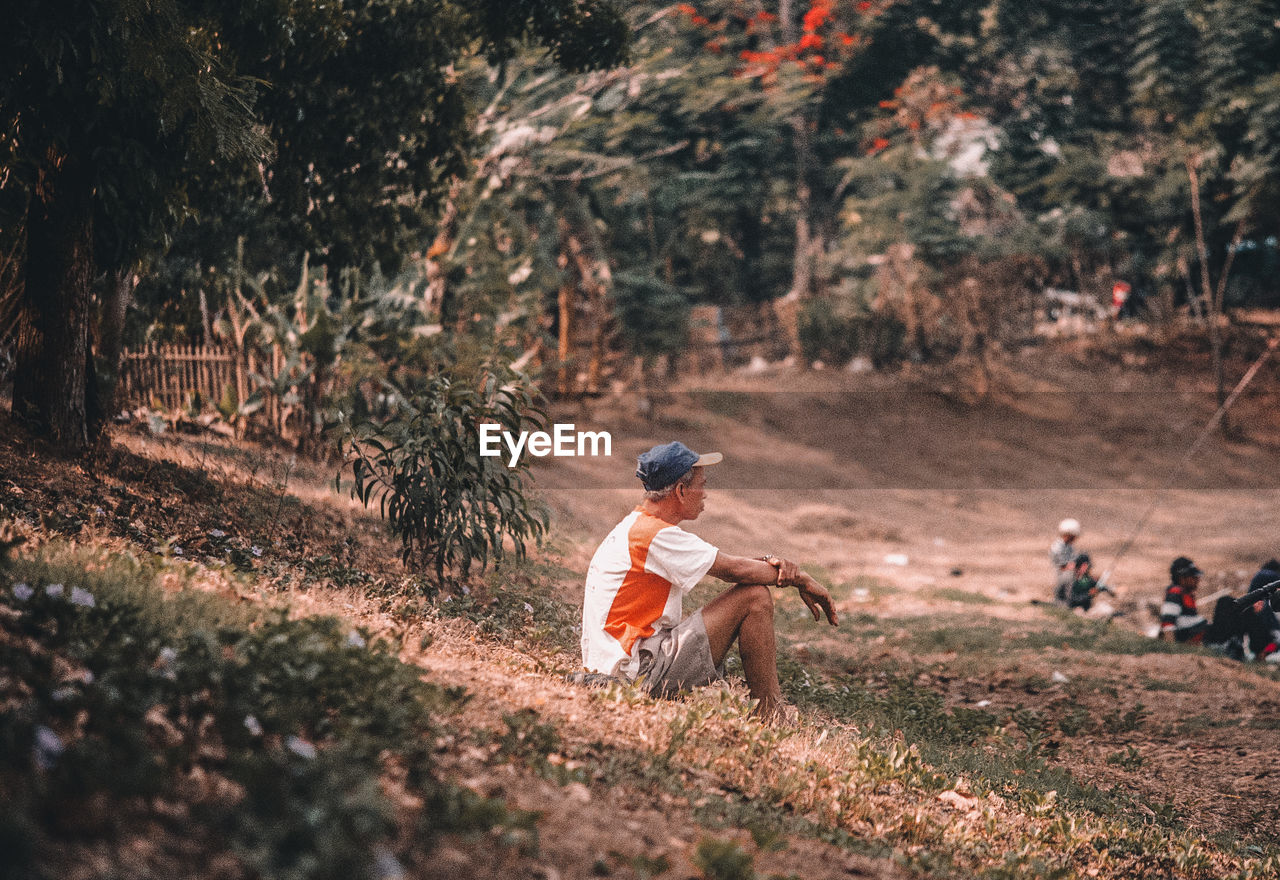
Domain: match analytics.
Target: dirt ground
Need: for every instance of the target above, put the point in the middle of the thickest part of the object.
(938, 495)
(902, 481)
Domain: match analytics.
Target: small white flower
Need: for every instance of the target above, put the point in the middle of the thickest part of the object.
(217, 533)
(177, 551)
(252, 725)
(99, 511)
(167, 656)
(22, 592)
(82, 598)
(300, 747)
(48, 747)
(53, 591)
(528, 607)
(386, 866)
(355, 640)
(255, 550)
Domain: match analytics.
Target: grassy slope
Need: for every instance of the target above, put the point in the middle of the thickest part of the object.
(934, 739)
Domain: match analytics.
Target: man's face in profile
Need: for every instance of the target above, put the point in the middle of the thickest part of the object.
(694, 496)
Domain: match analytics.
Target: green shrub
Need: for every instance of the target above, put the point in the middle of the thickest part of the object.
(115, 698)
(835, 333)
(447, 504)
(654, 314)
(723, 860)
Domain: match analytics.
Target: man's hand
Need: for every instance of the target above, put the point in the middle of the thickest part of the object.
(788, 571)
(816, 597)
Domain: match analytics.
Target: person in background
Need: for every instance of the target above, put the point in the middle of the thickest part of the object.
(1084, 586)
(1062, 555)
(1252, 631)
(1179, 618)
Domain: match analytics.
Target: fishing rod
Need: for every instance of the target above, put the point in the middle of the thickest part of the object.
(1263, 592)
(1191, 451)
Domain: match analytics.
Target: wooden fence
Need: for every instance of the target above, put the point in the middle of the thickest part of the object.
(172, 377)
(167, 376)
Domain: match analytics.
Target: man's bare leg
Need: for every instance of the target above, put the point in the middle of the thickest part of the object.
(745, 613)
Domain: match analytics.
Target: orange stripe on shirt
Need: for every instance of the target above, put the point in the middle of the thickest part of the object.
(643, 595)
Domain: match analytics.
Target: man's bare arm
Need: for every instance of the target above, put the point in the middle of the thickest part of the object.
(743, 570)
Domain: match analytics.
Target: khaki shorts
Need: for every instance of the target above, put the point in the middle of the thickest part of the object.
(677, 659)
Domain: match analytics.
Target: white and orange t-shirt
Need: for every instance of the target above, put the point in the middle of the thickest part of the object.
(635, 583)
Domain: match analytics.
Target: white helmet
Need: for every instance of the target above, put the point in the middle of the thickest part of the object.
(1069, 527)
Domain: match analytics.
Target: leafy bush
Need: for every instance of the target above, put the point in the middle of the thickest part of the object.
(723, 860)
(654, 314)
(446, 503)
(835, 333)
(266, 743)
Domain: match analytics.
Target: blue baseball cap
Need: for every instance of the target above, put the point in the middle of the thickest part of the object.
(664, 464)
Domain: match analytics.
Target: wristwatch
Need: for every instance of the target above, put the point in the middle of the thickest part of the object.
(773, 559)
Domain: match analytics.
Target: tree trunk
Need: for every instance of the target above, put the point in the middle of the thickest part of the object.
(1213, 302)
(117, 294)
(788, 309)
(53, 352)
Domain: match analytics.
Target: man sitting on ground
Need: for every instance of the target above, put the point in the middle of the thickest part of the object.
(1179, 619)
(632, 622)
(1254, 625)
(1062, 555)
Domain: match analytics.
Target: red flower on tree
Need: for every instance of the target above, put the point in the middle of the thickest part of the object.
(821, 47)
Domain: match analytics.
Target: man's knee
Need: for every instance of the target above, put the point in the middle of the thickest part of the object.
(758, 598)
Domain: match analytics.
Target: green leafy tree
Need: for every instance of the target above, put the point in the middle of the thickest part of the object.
(120, 116)
(102, 106)
(680, 172)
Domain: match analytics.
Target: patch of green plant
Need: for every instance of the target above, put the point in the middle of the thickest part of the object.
(1131, 719)
(1036, 683)
(1168, 684)
(967, 639)
(1034, 729)
(450, 506)
(895, 704)
(114, 691)
(723, 860)
(1128, 758)
(520, 600)
(1195, 723)
(1074, 721)
(1019, 866)
(954, 594)
(768, 838)
(331, 568)
(644, 865)
(958, 742)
